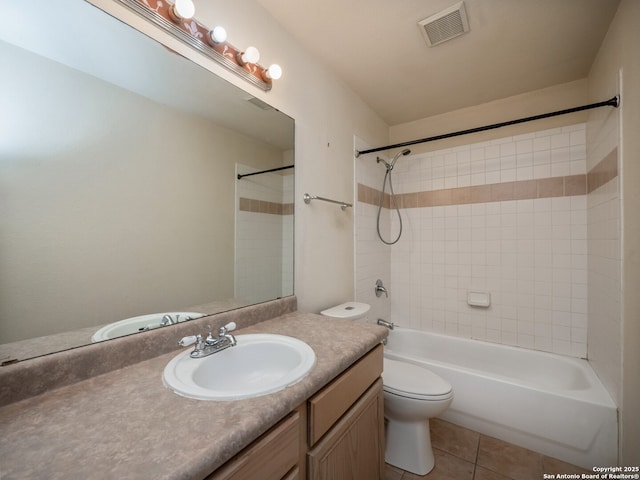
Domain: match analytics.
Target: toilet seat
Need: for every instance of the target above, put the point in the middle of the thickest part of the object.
(411, 381)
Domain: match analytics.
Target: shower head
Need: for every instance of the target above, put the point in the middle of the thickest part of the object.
(403, 153)
(389, 166)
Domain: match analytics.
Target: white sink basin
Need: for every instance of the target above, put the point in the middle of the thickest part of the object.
(139, 324)
(258, 365)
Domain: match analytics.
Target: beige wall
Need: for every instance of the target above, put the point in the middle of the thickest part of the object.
(618, 58)
(327, 116)
(550, 99)
(98, 168)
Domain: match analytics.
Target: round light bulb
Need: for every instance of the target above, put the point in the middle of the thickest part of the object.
(218, 34)
(251, 55)
(274, 72)
(184, 9)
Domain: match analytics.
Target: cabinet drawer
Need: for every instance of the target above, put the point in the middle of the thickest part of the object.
(353, 449)
(326, 407)
(268, 458)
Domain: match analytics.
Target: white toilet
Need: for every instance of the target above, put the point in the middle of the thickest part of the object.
(412, 395)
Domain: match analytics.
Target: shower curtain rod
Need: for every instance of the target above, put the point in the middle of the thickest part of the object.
(265, 171)
(613, 102)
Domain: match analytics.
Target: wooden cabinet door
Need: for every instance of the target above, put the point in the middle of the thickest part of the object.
(269, 458)
(354, 448)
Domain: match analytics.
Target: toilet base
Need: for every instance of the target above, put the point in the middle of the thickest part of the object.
(409, 446)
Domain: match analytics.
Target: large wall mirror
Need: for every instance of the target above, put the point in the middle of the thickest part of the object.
(120, 203)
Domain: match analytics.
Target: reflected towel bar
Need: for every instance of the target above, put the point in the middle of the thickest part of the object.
(307, 199)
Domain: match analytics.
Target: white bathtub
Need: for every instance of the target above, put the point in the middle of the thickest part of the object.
(552, 404)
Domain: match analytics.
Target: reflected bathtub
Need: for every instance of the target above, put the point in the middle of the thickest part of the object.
(548, 403)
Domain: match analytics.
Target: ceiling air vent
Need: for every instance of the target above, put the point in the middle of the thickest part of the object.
(443, 26)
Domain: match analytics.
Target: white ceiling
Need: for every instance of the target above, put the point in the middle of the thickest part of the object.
(514, 46)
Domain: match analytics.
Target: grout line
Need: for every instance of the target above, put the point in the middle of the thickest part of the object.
(475, 464)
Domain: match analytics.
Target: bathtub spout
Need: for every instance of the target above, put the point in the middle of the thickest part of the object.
(384, 323)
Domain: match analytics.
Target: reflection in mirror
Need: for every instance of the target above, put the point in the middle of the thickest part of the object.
(118, 177)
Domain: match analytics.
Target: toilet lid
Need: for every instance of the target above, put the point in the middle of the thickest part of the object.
(349, 310)
(410, 380)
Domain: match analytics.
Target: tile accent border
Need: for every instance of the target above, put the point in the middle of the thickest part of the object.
(260, 206)
(605, 171)
(495, 192)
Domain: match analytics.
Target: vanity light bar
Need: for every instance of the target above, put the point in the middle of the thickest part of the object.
(196, 35)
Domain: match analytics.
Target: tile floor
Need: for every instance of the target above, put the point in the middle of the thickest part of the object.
(463, 454)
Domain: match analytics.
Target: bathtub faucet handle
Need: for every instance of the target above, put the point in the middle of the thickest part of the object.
(379, 290)
(384, 323)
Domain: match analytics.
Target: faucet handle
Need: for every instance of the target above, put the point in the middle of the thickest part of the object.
(379, 289)
(186, 341)
(227, 328)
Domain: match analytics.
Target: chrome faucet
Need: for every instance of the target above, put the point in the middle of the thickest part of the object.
(210, 345)
(384, 323)
(168, 320)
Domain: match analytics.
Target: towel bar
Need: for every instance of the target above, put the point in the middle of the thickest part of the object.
(307, 199)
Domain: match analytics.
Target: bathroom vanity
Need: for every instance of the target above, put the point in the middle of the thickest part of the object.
(338, 433)
(125, 423)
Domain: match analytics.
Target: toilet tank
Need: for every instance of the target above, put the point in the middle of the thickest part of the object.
(347, 311)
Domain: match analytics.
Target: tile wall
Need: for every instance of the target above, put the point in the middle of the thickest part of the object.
(507, 217)
(604, 250)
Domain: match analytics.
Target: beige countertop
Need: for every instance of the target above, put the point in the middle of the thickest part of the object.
(127, 424)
